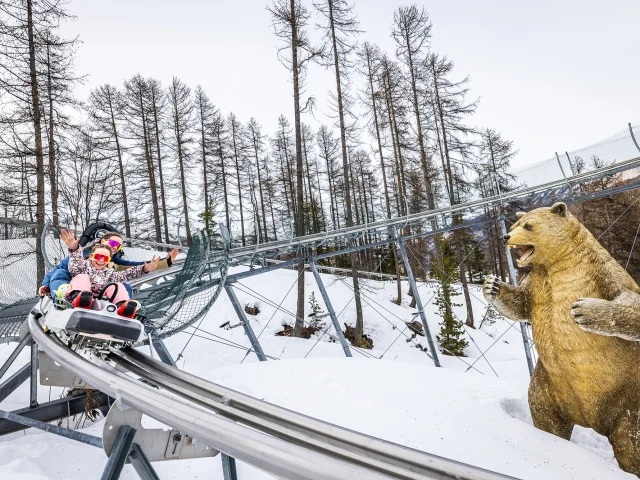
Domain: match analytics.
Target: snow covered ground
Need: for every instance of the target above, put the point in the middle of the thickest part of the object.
(474, 410)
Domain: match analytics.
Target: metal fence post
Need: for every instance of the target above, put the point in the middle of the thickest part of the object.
(34, 375)
(229, 467)
(514, 282)
(14, 355)
(563, 174)
(332, 313)
(162, 351)
(633, 137)
(414, 288)
(119, 453)
(255, 344)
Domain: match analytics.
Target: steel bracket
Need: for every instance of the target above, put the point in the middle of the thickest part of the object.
(157, 444)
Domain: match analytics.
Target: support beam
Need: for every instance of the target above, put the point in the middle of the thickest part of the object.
(514, 282)
(163, 352)
(34, 375)
(55, 410)
(229, 467)
(255, 344)
(332, 313)
(423, 317)
(141, 464)
(119, 453)
(14, 381)
(49, 428)
(14, 355)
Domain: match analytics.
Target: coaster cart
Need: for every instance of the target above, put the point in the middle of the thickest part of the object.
(96, 329)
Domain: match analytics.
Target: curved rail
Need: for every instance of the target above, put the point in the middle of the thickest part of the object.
(252, 431)
(241, 407)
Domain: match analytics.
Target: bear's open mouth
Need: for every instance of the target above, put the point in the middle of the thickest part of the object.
(525, 253)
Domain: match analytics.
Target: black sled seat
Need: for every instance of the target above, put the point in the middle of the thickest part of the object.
(92, 323)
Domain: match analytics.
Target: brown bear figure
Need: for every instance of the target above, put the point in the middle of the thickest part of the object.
(584, 310)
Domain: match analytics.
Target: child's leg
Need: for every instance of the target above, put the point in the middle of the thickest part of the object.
(81, 282)
(122, 293)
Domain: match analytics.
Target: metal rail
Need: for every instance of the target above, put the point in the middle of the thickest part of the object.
(240, 252)
(261, 434)
(292, 425)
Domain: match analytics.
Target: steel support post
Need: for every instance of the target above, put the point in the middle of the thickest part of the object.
(14, 381)
(332, 313)
(14, 355)
(514, 282)
(255, 344)
(55, 410)
(414, 288)
(119, 453)
(163, 352)
(141, 464)
(33, 403)
(49, 428)
(229, 467)
(633, 137)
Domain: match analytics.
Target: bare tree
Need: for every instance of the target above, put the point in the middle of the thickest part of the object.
(412, 33)
(179, 96)
(290, 19)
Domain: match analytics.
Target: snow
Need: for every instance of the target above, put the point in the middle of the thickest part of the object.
(477, 415)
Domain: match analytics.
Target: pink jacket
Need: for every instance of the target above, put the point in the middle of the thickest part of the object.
(99, 278)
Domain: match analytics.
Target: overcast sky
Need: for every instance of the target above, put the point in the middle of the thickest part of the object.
(551, 75)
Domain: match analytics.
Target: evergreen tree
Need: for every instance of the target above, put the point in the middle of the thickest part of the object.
(443, 269)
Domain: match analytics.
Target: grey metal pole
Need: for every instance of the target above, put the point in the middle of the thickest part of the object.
(563, 174)
(255, 344)
(50, 428)
(163, 352)
(332, 313)
(14, 355)
(14, 381)
(514, 282)
(119, 453)
(229, 467)
(414, 289)
(34, 375)
(141, 464)
(633, 137)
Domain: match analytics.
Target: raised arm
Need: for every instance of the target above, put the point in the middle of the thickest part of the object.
(135, 272)
(77, 263)
(619, 317)
(510, 301)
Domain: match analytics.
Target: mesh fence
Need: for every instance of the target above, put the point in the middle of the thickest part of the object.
(618, 148)
(174, 306)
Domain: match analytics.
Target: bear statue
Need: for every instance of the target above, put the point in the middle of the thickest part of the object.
(584, 311)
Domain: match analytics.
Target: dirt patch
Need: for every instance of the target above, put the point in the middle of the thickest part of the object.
(252, 309)
(365, 340)
(307, 331)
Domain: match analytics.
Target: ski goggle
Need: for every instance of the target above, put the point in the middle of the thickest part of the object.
(100, 257)
(115, 245)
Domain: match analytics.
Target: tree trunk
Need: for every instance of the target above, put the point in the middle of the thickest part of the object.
(359, 327)
(204, 167)
(162, 194)
(150, 168)
(35, 106)
(52, 147)
(235, 156)
(299, 212)
(123, 184)
(264, 215)
(183, 182)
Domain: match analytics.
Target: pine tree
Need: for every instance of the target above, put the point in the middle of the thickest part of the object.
(444, 269)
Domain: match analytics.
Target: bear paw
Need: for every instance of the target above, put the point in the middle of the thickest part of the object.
(593, 315)
(491, 287)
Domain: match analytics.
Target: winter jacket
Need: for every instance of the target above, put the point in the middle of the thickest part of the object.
(99, 278)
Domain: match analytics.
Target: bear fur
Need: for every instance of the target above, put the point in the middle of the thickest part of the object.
(584, 311)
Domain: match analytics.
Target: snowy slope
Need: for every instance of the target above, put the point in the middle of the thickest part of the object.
(459, 412)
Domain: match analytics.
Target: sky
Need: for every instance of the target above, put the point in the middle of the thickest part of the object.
(550, 75)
